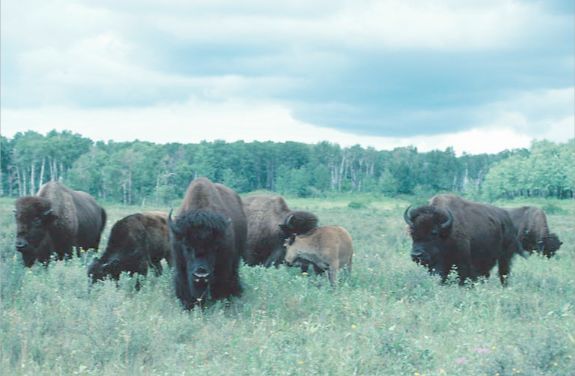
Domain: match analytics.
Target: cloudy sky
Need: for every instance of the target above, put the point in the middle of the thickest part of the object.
(481, 76)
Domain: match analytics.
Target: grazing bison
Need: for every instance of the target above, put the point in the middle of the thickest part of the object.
(454, 232)
(270, 222)
(207, 237)
(325, 248)
(533, 231)
(56, 220)
(137, 242)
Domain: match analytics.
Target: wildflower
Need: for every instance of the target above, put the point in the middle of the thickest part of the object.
(353, 326)
(300, 362)
(461, 360)
(482, 350)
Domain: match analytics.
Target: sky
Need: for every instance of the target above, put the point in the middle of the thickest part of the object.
(479, 76)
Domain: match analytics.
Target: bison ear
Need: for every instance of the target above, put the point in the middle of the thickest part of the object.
(289, 240)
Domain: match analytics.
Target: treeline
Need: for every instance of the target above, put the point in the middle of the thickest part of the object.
(131, 172)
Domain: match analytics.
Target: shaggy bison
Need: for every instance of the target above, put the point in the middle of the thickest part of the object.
(454, 232)
(325, 248)
(270, 222)
(533, 231)
(56, 220)
(137, 242)
(207, 238)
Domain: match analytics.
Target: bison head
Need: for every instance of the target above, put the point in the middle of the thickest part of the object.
(430, 229)
(298, 222)
(34, 218)
(550, 244)
(112, 264)
(124, 252)
(197, 237)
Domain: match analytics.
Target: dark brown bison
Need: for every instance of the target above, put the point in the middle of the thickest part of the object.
(326, 248)
(454, 232)
(137, 242)
(207, 238)
(56, 220)
(533, 231)
(270, 222)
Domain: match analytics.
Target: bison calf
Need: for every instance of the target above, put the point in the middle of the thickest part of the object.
(326, 248)
(533, 231)
(137, 242)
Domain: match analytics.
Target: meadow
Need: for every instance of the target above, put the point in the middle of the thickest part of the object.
(389, 317)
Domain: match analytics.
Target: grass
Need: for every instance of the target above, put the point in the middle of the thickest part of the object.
(388, 318)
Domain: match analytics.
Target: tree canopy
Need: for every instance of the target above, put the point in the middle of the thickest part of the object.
(131, 172)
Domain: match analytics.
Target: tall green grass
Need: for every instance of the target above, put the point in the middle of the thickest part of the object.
(389, 317)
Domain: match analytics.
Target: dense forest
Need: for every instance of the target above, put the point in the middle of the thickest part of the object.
(133, 172)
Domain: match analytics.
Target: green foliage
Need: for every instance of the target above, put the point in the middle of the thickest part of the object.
(546, 171)
(136, 172)
(388, 317)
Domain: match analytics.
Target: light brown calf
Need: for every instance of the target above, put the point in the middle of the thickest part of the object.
(327, 248)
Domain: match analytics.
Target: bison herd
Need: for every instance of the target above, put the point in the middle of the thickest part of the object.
(214, 230)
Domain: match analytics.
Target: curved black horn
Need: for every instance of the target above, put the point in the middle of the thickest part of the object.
(449, 221)
(289, 219)
(170, 221)
(407, 216)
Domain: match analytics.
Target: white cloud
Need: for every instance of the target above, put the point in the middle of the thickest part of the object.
(363, 24)
(236, 120)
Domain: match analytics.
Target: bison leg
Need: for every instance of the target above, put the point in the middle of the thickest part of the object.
(332, 276)
(157, 266)
(182, 291)
(504, 267)
(275, 258)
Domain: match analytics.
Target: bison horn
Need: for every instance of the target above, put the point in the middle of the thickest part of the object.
(289, 218)
(445, 225)
(47, 212)
(170, 221)
(407, 216)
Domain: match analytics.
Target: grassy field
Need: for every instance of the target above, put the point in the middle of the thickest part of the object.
(388, 318)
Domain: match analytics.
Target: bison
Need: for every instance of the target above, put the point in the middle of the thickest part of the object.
(270, 223)
(56, 220)
(326, 248)
(207, 237)
(533, 231)
(454, 232)
(137, 242)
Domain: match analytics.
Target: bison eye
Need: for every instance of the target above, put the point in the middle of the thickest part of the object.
(434, 232)
(36, 221)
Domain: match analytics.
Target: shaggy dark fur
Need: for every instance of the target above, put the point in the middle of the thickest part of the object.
(533, 231)
(270, 222)
(137, 242)
(207, 238)
(472, 237)
(56, 220)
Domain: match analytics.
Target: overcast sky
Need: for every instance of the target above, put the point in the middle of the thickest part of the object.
(481, 76)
